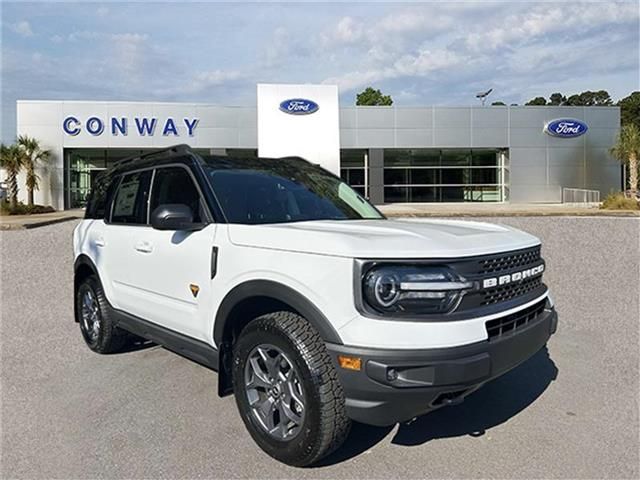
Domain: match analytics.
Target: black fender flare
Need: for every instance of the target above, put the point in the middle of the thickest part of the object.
(84, 259)
(276, 291)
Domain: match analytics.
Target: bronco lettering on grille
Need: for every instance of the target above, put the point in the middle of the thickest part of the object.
(512, 277)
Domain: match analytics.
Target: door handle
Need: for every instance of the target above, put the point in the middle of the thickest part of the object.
(144, 247)
(99, 242)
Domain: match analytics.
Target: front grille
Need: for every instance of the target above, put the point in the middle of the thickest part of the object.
(511, 323)
(512, 261)
(511, 290)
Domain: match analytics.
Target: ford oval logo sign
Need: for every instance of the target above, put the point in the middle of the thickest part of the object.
(299, 106)
(566, 128)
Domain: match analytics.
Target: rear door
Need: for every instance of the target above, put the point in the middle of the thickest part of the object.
(123, 233)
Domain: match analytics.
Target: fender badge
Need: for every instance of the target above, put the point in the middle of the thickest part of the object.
(194, 289)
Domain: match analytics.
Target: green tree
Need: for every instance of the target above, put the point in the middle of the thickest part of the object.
(627, 150)
(498, 104)
(537, 101)
(11, 159)
(557, 99)
(34, 155)
(601, 98)
(372, 97)
(630, 109)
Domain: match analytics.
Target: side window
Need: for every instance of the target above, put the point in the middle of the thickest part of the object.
(175, 185)
(97, 200)
(100, 196)
(130, 202)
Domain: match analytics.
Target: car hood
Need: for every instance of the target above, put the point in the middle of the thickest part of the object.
(384, 238)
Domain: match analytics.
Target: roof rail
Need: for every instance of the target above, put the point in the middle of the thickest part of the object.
(179, 149)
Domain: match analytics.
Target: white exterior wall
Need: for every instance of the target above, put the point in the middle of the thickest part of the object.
(315, 136)
(216, 127)
(539, 165)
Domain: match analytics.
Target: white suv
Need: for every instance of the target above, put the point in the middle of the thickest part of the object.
(314, 309)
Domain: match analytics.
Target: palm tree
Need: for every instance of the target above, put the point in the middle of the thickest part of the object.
(33, 155)
(627, 150)
(11, 159)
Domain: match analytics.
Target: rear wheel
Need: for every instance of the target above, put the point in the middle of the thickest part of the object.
(97, 327)
(287, 389)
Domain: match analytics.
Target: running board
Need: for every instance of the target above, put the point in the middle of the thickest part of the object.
(195, 350)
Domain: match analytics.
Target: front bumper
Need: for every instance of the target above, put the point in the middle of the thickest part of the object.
(398, 385)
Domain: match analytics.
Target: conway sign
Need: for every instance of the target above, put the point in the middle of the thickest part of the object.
(142, 126)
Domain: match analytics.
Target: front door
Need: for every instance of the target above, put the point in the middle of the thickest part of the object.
(173, 268)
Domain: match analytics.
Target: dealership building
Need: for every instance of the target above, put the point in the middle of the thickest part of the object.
(390, 154)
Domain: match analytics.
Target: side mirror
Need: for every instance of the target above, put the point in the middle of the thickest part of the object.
(174, 216)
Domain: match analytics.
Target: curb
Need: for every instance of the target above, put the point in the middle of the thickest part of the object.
(597, 213)
(29, 226)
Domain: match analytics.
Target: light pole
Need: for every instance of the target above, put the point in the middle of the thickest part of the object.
(483, 95)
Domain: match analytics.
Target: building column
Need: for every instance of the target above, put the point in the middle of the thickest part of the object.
(376, 176)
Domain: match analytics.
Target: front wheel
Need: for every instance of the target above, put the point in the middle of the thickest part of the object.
(287, 389)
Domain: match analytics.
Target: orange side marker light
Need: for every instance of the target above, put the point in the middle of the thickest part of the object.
(350, 363)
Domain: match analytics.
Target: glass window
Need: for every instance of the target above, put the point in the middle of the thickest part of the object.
(424, 194)
(424, 171)
(352, 158)
(396, 176)
(356, 176)
(101, 193)
(396, 194)
(288, 190)
(455, 176)
(175, 185)
(452, 194)
(416, 157)
(130, 202)
(451, 158)
(484, 175)
(484, 158)
(424, 176)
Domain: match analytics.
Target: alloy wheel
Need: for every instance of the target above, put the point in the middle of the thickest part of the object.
(90, 314)
(274, 392)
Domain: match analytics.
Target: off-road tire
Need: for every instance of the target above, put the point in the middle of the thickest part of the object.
(325, 424)
(110, 339)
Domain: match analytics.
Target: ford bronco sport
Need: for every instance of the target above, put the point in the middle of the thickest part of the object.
(314, 309)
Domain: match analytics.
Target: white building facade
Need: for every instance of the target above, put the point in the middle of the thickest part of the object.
(391, 154)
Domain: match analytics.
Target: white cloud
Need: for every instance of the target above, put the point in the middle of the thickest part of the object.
(346, 31)
(102, 11)
(130, 51)
(201, 82)
(422, 63)
(545, 19)
(216, 77)
(22, 28)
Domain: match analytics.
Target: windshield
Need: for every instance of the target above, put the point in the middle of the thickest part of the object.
(278, 191)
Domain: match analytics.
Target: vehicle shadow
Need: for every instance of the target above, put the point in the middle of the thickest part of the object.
(493, 404)
(135, 344)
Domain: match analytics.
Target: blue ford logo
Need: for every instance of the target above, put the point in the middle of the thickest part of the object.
(566, 128)
(299, 106)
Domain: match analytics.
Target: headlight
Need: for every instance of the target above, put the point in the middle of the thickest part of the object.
(413, 289)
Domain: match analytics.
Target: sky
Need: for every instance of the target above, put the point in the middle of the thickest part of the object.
(421, 53)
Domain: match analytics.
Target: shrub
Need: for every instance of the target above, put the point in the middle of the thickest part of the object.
(22, 209)
(617, 201)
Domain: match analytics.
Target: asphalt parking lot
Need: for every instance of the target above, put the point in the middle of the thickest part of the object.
(571, 411)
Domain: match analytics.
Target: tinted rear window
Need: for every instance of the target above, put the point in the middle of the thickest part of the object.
(130, 201)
